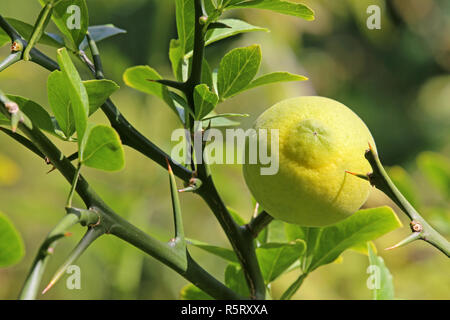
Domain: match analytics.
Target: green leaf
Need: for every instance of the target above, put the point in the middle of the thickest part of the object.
(185, 17)
(138, 77)
(101, 32)
(59, 100)
(37, 114)
(275, 258)
(210, 6)
(227, 115)
(223, 253)
(405, 184)
(12, 248)
(38, 29)
(77, 92)
(72, 19)
(235, 279)
(436, 168)
(207, 75)
(218, 122)
(205, 101)
(191, 292)
(25, 30)
(236, 216)
(98, 92)
(235, 27)
(237, 68)
(176, 56)
(382, 278)
(276, 232)
(101, 149)
(364, 225)
(293, 288)
(283, 7)
(273, 78)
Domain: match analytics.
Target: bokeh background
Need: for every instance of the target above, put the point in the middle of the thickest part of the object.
(397, 79)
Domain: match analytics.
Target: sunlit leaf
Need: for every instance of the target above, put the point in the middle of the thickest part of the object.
(235, 279)
(275, 258)
(223, 253)
(364, 225)
(185, 16)
(237, 69)
(274, 78)
(280, 6)
(98, 92)
(191, 292)
(383, 287)
(205, 101)
(101, 149)
(77, 92)
(12, 248)
(72, 19)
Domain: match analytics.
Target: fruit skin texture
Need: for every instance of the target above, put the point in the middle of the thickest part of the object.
(319, 139)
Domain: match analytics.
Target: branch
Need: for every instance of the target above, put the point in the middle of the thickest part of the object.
(115, 224)
(420, 227)
(33, 280)
(129, 135)
(257, 224)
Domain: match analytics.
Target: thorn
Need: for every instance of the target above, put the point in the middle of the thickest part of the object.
(412, 237)
(68, 234)
(48, 287)
(169, 168)
(255, 212)
(51, 170)
(359, 175)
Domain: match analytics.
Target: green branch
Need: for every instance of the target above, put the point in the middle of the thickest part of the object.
(421, 229)
(113, 223)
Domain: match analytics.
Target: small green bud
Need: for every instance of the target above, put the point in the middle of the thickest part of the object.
(202, 20)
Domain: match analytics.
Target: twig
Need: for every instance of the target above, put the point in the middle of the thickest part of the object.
(257, 224)
(115, 224)
(421, 229)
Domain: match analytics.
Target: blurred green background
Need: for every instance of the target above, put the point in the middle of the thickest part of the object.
(397, 79)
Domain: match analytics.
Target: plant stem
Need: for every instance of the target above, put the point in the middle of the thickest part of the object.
(115, 224)
(380, 179)
(39, 26)
(33, 280)
(129, 135)
(74, 185)
(10, 60)
(257, 224)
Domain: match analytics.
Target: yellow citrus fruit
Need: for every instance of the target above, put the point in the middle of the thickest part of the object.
(319, 140)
